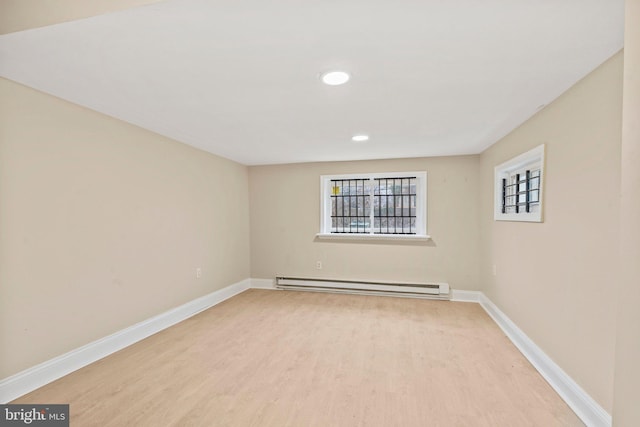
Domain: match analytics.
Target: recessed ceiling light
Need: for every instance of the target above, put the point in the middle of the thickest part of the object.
(360, 138)
(335, 78)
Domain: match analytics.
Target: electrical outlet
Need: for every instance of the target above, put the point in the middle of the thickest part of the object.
(198, 273)
(494, 270)
(319, 265)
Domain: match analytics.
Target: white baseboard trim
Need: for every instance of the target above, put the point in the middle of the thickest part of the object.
(589, 411)
(30, 379)
(263, 284)
(465, 296)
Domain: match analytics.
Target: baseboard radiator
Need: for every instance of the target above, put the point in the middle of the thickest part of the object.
(410, 290)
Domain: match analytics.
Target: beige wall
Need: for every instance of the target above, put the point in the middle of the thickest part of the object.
(285, 210)
(102, 225)
(626, 411)
(556, 280)
(19, 15)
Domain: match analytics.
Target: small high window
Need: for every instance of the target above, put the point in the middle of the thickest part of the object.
(374, 205)
(518, 187)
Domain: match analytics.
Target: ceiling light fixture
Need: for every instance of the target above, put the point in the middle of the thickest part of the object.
(335, 78)
(360, 138)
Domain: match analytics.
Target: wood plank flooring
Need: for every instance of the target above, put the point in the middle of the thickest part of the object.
(283, 358)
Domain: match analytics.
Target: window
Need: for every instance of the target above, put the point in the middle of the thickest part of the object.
(388, 205)
(518, 187)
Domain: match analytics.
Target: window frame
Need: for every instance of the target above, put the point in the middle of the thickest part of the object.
(421, 207)
(532, 158)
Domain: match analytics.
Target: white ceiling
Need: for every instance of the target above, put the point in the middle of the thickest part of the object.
(241, 78)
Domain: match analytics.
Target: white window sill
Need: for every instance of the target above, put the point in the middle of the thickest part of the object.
(356, 236)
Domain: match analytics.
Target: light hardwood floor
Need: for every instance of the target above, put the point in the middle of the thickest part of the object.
(282, 358)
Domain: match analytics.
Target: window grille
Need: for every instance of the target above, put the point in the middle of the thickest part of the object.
(393, 200)
(350, 205)
(521, 191)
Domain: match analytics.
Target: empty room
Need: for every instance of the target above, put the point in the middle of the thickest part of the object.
(279, 213)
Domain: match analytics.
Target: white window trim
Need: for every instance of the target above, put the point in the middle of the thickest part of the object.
(533, 156)
(421, 209)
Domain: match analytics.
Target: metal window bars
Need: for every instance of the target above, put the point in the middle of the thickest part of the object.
(350, 205)
(521, 190)
(378, 205)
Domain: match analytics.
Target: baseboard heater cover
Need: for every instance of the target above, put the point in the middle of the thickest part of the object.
(413, 290)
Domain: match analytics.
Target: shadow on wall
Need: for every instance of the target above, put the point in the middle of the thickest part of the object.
(385, 242)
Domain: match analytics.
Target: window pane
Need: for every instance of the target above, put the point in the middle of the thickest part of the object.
(350, 205)
(392, 224)
(383, 225)
(395, 198)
